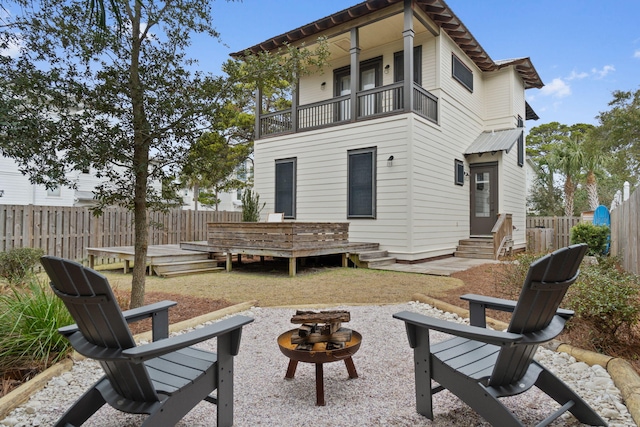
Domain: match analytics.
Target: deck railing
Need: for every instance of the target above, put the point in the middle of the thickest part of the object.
(379, 101)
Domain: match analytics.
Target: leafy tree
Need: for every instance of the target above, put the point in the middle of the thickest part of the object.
(210, 164)
(123, 101)
(619, 132)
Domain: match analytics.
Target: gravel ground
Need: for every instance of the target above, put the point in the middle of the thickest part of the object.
(382, 395)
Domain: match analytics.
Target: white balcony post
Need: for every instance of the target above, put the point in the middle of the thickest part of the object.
(408, 35)
(295, 101)
(257, 131)
(355, 72)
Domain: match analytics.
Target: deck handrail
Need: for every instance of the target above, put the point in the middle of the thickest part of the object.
(379, 101)
(502, 233)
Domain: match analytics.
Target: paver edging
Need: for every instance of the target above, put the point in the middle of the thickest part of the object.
(18, 396)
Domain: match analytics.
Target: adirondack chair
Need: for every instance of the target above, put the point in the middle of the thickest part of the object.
(165, 378)
(480, 365)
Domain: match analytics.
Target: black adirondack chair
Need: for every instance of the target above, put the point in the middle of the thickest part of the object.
(165, 378)
(480, 365)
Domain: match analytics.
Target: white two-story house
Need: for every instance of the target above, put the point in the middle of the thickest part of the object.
(413, 134)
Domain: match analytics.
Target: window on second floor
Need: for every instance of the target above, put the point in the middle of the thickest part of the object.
(398, 65)
(521, 143)
(461, 73)
(361, 185)
(285, 200)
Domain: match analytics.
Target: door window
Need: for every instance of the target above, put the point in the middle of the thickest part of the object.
(482, 195)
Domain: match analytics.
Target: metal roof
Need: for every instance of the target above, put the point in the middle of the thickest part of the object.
(437, 10)
(493, 141)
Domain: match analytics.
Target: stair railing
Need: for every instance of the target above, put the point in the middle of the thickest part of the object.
(502, 233)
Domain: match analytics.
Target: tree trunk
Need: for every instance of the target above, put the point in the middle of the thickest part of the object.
(141, 137)
(592, 191)
(568, 196)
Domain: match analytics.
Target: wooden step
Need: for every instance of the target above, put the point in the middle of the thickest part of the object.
(188, 272)
(475, 248)
(165, 269)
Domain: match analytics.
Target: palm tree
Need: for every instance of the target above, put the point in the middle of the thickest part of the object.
(568, 159)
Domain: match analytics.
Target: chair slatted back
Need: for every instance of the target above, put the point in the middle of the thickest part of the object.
(544, 288)
(90, 300)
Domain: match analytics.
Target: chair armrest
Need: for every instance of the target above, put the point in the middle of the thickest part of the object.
(478, 305)
(146, 311)
(488, 336)
(159, 314)
(491, 302)
(158, 348)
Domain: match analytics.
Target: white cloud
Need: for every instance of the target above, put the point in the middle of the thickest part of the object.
(575, 75)
(604, 71)
(636, 54)
(12, 51)
(557, 88)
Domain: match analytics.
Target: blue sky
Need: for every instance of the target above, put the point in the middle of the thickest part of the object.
(582, 49)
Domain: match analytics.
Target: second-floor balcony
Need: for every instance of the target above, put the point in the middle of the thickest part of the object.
(371, 103)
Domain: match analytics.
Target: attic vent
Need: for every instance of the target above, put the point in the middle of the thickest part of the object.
(344, 44)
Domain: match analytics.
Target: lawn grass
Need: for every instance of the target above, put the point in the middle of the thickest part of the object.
(272, 287)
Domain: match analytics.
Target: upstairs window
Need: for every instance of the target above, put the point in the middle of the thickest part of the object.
(361, 186)
(521, 143)
(285, 201)
(398, 65)
(462, 73)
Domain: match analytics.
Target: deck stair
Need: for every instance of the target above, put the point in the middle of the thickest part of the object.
(372, 259)
(181, 265)
(476, 248)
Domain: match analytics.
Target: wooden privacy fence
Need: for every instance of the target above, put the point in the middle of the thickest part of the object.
(545, 233)
(67, 231)
(625, 233)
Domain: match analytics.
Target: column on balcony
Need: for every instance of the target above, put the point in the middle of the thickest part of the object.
(355, 72)
(408, 34)
(258, 130)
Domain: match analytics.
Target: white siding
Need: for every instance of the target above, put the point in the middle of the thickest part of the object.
(421, 213)
(321, 178)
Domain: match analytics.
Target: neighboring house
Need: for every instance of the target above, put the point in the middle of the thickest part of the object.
(229, 201)
(531, 174)
(413, 134)
(17, 190)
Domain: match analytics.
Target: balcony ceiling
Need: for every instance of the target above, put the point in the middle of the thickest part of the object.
(372, 11)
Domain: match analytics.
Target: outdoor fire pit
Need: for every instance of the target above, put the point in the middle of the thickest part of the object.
(320, 339)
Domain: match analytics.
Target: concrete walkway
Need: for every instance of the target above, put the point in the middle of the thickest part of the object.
(438, 267)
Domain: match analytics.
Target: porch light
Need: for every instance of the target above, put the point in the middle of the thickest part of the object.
(389, 160)
(386, 68)
(323, 85)
(1, 193)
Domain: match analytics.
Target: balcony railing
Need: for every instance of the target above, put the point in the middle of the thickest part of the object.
(380, 101)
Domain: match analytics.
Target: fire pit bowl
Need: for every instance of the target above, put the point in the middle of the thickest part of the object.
(319, 354)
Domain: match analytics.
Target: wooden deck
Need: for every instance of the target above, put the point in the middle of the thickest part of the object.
(156, 255)
(290, 240)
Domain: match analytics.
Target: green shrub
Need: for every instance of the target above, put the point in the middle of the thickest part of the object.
(607, 299)
(29, 321)
(595, 236)
(512, 276)
(16, 265)
(251, 206)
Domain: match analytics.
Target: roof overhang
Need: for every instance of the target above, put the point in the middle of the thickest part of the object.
(437, 10)
(494, 141)
(529, 113)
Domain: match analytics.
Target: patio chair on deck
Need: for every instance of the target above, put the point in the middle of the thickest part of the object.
(165, 378)
(480, 365)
